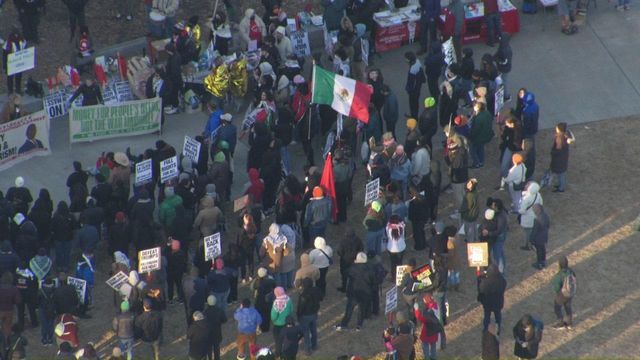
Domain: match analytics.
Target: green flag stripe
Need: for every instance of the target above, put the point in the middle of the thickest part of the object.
(323, 82)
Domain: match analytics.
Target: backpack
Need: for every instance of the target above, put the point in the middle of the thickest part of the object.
(569, 285)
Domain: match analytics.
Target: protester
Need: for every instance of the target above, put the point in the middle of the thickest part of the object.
(491, 290)
(199, 337)
(215, 318)
(361, 284)
(375, 226)
(149, 327)
(282, 308)
(540, 236)
(527, 333)
(395, 233)
(470, 210)
(248, 321)
(14, 43)
(322, 257)
(515, 180)
(431, 326)
(123, 326)
(307, 271)
(530, 197)
(564, 287)
(560, 156)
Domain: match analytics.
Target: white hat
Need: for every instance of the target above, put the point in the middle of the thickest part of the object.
(361, 258)
(197, 316)
(19, 219)
(226, 117)
(19, 181)
(262, 272)
(489, 214)
(211, 300)
(121, 159)
(280, 30)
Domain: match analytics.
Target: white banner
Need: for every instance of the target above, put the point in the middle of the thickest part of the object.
(191, 149)
(169, 169)
(212, 247)
(24, 138)
(144, 171)
(149, 260)
(21, 61)
(80, 286)
(117, 280)
(371, 191)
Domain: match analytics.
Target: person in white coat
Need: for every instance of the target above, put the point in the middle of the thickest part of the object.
(283, 44)
(530, 196)
(252, 27)
(396, 241)
(515, 180)
(322, 257)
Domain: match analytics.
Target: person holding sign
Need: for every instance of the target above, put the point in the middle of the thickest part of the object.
(431, 326)
(15, 42)
(85, 270)
(396, 243)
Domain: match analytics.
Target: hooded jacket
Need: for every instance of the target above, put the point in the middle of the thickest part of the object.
(199, 337)
(530, 114)
(491, 289)
(317, 255)
(149, 325)
(248, 320)
(167, 212)
(306, 271)
(504, 54)
(245, 24)
(400, 167)
(208, 218)
(530, 197)
(361, 281)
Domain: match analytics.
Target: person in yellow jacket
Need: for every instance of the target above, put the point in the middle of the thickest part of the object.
(217, 83)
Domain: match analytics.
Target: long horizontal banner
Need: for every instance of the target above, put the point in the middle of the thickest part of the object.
(99, 122)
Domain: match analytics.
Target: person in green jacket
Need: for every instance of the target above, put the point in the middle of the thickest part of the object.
(481, 133)
(469, 210)
(562, 300)
(167, 211)
(281, 309)
(333, 13)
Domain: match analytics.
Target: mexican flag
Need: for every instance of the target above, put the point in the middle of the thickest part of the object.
(346, 96)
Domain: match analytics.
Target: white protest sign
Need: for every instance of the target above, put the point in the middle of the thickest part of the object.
(291, 25)
(117, 280)
(212, 247)
(109, 96)
(392, 300)
(21, 61)
(191, 149)
(371, 191)
(300, 43)
(54, 104)
(149, 260)
(123, 91)
(80, 286)
(449, 51)
(499, 100)
(168, 169)
(478, 254)
(400, 270)
(144, 171)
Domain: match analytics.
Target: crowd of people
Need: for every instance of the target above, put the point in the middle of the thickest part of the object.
(284, 217)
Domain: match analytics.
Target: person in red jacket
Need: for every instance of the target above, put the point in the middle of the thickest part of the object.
(431, 326)
(66, 330)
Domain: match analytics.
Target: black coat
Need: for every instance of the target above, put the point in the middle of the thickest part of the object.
(290, 338)
(458, 161)
(215, 317)
(490, 346)
(361, 282)
(148, 326)
(532, 338)
(560, 157)
(308, 301)
(491, 289)
(199, 339)
(65, 299)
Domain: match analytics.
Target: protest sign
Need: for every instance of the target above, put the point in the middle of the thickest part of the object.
(240, 203)
(300, 43)
(449, 51)
(144, 172)
(80, 286)
(24, 138)
(212, 247)
(371, 191)
(123, 91)
(422, 273)
(191, 149)
(169, 169)
(98, 122)
(109, 96)
(21, 61)
(54, 104)
(400, 269)
(149, 260)
(392, 300)
(117, 280)
(478, 254)
(499, 100)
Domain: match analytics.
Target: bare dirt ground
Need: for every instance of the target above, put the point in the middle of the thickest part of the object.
(591, 224)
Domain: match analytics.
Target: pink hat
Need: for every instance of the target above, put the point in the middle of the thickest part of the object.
(175, 245)
(298, 79)
(279, 291)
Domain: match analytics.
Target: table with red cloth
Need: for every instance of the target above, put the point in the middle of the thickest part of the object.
(475, 27)
(389, 36)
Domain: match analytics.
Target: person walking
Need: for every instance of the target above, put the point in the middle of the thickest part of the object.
(123, 327)
(502, 57)
(390, 109)
(540, 236)
(149, 326)
(531, 196)
(199, 337)
(429, 12)
(413, 86)
(527, 334)
(281, 309)
(493, 21)
(361, 283)
(431, 326)
(248, 320)
(289, 338)
(564, 287)
(560, 157)
(496, 252)
(262, 288)
(350, 246)
(481, 133)
(491, 290)
(470, 210)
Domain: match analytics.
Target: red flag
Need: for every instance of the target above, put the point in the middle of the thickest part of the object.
(98, 71)
(329, 185)
(122, 67)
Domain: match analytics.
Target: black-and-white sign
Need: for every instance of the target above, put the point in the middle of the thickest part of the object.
(123, 91)
(499, 100)
(371, 191)
(400, 270)
(117, 280)
(109, 96)
(191, 149)
(54, 104)
(392, 300)
(300, 43)
(212, 247)
(21, 61)
(149, 260)
(449, 51)
(169, 169)
(144, 172)
(80, 286)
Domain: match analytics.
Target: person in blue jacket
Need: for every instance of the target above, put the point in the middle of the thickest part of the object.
(214, 121)
(85, 270)
(530, 113)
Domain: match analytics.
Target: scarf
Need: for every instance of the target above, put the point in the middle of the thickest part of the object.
(281, 302)
(40, 265)
(88, 262)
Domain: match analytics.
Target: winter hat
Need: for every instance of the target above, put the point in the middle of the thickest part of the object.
(197, 316)
(376, 206)
(169, 191)
(211, 300)
(19, 181)
(361, 258)
(210, 189)
(183, 177)
(439, 227)
(219, 158)
(116, 352)
(319, 243)
(124, 306)
(175, 245)
(517, 158)
(89, 200)
(134, 278)
(219, 264)
(318, 192)
(274, 229)
(249, 13)
(429, 102)
(298, 79)
(283, 82)
(120, 217)
(411, 123)
(121, 159)
(279, 291)
(223, 145)
(226, 117)
(489, 214)
(280, 30)
(262, 272)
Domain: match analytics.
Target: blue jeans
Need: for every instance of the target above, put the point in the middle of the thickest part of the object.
(221, 299)
(429, 349)
(374, 241)
(477, 154)
(496, 254)
(284, 155)
(46, 328)
(126, 345)
(494, 26)
(63, 251)
(309, 324)
(454, 277)
(562, 180)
